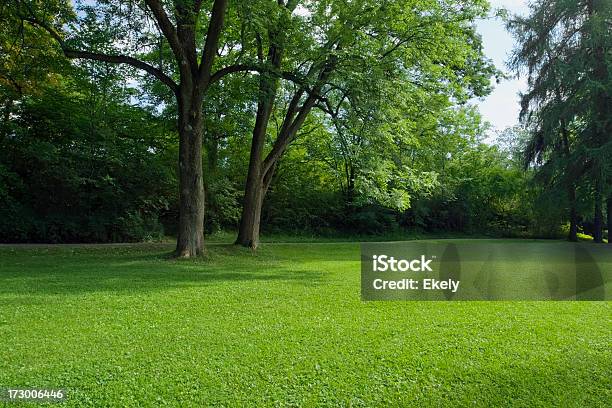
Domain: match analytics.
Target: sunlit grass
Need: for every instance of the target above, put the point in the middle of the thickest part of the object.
(127, 326)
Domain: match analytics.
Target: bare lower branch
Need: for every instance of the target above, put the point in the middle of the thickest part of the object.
(115, 59)
(124, 59)
(289, 76)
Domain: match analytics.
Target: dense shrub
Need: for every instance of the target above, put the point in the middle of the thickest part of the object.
(69, 173)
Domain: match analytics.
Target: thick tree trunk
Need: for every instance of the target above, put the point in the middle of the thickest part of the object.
(248, 233)
(573, 230)
(190, 240)
(257, 182)
(598, 216)
(262, 170)
(250, 222)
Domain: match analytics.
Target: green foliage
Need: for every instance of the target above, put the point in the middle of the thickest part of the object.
(304, 196)
(78, 164)
(480, 191)
(223, 206)
(392, 144)
(564, 48)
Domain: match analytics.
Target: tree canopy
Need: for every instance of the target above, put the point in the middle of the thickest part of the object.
(140, 118)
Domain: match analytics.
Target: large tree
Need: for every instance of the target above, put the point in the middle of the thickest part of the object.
(330, 49)
(126, 32)
(564, 46)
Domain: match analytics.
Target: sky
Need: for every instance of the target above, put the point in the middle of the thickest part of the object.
(502, 107)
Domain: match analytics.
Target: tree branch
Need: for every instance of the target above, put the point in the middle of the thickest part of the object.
(212, 40)
(123, 59)
(289, 76)
(115, 59)
(292, 124)
(166, 27)
(288, 134)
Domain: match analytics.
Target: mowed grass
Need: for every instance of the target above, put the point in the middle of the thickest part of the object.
(127, 326)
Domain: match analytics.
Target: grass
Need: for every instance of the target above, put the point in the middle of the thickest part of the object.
(126, 326)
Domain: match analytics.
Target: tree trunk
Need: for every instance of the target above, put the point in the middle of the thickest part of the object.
(598, 216)
(262, 170)
(248, 233)
(256, 190)
(256, 184)
(190, 240)
(350, 186)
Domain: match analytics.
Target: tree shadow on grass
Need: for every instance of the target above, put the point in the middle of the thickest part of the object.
(62, 273)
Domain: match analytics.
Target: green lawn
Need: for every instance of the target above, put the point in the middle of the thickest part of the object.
(126, 326)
